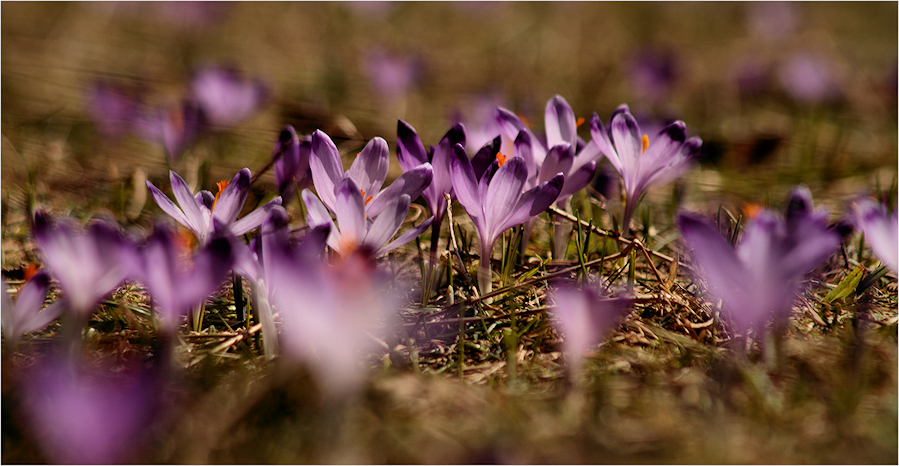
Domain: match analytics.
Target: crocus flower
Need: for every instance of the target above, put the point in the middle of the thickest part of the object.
(562, 151)
(391, 75)
(86, 416)
(291, 159)
(177, 279)
(175, 128)
(759, 278)
(329, 311)
(354, 229)
(87, 263)
(808, 78)
(411, 154)
(881, 230)
(224, 97)
(653, 73)
(585, 318)
(481, 126)
(640, 159)
(495, 201)
(28, 313)
(368, 171)
(113, 108)
(197, 212)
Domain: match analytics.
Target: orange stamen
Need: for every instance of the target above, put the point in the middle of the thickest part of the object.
(752, 210)
(30, 271)
(221, 186)
(501, 158)
(525, 121)
(579, 122)
(645, 142)
(367, 199)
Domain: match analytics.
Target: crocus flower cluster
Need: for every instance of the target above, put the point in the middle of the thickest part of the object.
(758, 279)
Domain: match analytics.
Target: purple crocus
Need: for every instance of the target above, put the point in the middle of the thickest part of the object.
(113, 108)
(177, 279)
(640, 159)
(28, 313)
(808, 78)
(881, 230)
(83, 415)
(411, 154)
(355, 228)
(197, 212)
(291, 159)
(391, 75)
(87, 263)
(368, 171)
(329, 312)
(759, 279)
(562, 151)
(495, 201)
(585, 318)
(175, 127)
(224, 97)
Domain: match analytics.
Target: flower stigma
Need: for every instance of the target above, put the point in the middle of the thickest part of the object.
(501, 158)
(645, 142)
(221, 186)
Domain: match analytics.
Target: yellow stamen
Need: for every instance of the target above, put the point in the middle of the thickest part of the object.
(221, 185)
(367, 199)
(579, 122)
(501, 158)
(645, 142)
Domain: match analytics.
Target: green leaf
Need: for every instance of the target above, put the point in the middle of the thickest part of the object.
(847, 285)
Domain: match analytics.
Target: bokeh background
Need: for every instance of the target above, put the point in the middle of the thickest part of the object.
(781, 93)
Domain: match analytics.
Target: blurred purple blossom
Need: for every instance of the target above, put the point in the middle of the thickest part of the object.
(480, 123)
(771, 21)
(87, 263)
(653, 73)
(808, 78)
(330, 312)
(356, 230)
(495, 202)
(89, 416)
(175, 128)
(391, 75)
(291, 159)
(368, 171)
(113, 108)
(224, 96)
(28, 313)
(758, 280)
(585, 317)
(178, 280)
(641, 160)
(881, 230)
(197, 212)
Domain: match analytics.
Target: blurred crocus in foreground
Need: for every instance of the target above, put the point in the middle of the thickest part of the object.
(758, 280)
(224, 97)
(368, 172)
(640, 159)
(28, 313)
(291, 159)
(881, 230)
(197, 212)
(85, 416)
(354, 229)
(495, 201)
(585, 317)
(330, 312)
(87, 263)
(177, 279)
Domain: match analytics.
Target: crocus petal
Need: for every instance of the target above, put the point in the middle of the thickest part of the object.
(326, 166)
(350, 211)
(369, 170)
(627, 141)
(386, 225)
(317, 215)
(532, 203)
(464, 181)
(169, 207)
(881, 231)
(205, 199)
(411, 183)
(484, 157)
(197, 216)
(603, 143)
(584, 318)
(409, 149)
(524, 149)
(503, 193)
(561, 126)
(577, 180)
(34, 321)
(232, 198)
(406, 237)
(558, 159)
(253, 219)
